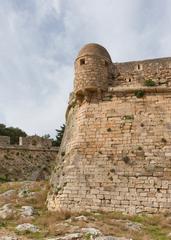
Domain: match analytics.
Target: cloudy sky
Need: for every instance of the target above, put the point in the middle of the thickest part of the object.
(39, 40)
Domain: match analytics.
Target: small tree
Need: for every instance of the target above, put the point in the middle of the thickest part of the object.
(59, 136)
(46, 136)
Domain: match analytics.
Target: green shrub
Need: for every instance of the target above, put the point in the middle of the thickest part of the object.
(3, 178)
(150, 83)
(139, 93)
(126, 159)
(3, 224)
(128, 117)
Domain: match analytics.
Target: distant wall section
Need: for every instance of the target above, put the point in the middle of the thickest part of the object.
(4, 141)
(35, 141)
(134, 74)
(33, 159)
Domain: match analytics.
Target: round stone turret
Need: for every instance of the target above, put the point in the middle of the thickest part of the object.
(93, 69)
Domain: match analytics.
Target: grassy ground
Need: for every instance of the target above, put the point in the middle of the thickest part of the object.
(147, 227)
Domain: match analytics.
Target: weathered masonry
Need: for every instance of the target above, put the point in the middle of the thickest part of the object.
(32, 159)
(116, 150)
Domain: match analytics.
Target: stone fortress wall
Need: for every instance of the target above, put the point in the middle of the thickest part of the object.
(4, 141)
(32, 159)
(116, 149)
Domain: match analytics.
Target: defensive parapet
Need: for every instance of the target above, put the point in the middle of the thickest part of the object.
(115, 153)
(27, 142)
(35, 142)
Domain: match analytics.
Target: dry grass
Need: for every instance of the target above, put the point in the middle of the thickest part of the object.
(50, 220)
(154, 227)
(9, 185)
(46, 217)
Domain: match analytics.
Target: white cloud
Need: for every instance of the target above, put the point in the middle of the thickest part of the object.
(46, 8)
(39, 40)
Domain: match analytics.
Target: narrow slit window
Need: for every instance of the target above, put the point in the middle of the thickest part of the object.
(106, 64)
(139, 67)
(82, 61)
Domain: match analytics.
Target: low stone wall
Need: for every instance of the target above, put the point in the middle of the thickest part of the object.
(35, 142)
(4, 141)
(20, 163)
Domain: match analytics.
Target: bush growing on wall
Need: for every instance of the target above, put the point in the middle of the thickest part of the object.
(149, 83)
(139, 93)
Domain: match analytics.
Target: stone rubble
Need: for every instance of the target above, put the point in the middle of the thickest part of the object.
(23, 193)
(8, 194)
(8, 238)
(112, 238)
(27, 227)
(134, 226)
(6, 211)
(27, 211)
(72, 236)
(91, 231)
